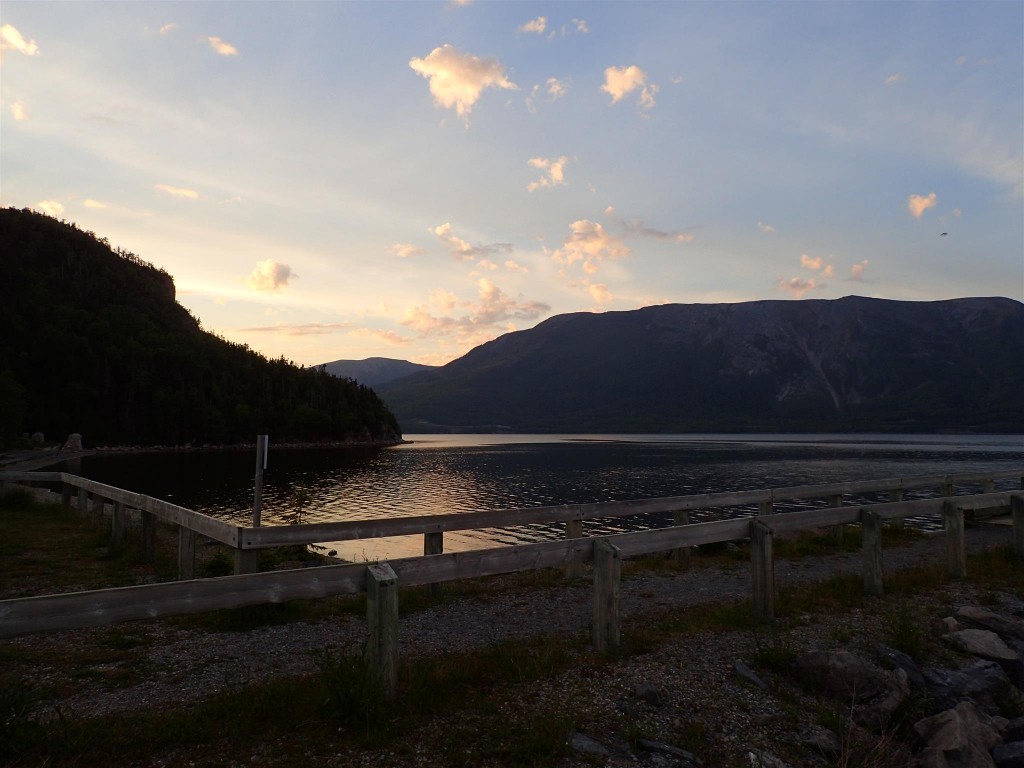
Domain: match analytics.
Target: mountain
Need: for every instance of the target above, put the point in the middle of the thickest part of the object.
(850, 364)
(92, 340)
(374, 370)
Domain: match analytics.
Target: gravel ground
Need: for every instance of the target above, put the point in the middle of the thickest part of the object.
(183, 664)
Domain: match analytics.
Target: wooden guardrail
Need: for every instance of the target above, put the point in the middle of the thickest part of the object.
(380, 580)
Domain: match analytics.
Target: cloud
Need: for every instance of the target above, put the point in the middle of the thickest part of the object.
(221, 47)
(620, 81)
(50, 208)
(90, 203)
(816, 264)
(893, 78)
(599, 292)
(457, 79)
(382, 334)
(553, 87)
(798, 286)
(11, 40)
(857, 271)
(590, 244)
(305, 329)
(404, 250)
(637, 227)
(766, 228)
(269, 275)
(461, 249)
(494, 306)
(188, 194)
(581, 26)
(167, 29)
(555, 172)
(537, 25)
(917, 204)
(19, 111)
(514, 266)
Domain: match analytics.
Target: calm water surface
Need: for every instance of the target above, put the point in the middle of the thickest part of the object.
(435, 474)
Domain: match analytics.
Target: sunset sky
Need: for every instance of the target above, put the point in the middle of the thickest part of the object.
(332, 180)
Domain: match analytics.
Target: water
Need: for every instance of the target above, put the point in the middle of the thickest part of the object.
(435, 474)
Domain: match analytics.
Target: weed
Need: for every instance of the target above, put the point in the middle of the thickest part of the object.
(221, 563)
(773, 653)
(903, 630)
(350, 694)
(19, 730)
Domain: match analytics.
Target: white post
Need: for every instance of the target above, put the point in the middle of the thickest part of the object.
(261, 464)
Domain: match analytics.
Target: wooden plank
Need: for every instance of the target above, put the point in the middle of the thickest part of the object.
(956, 553)
(382, 621)
(896, 495)
(147, 541)
(246, 561)
(186, 553)
(573, 530)
(606, 627)
(83, 501)
(77, 610)
(118, 526)
(871, 551)
(433, 544)
(762, 569)
(783, 522)
(682, 555)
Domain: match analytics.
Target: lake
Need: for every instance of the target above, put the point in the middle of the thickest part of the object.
(434, 474)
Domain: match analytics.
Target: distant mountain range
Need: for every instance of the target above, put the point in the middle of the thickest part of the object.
(374, 370)
(850, 364)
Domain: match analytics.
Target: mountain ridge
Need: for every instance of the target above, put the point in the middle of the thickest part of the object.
(853, 363)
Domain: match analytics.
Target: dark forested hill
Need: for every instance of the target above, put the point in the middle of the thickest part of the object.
(850, 364)
(374, 370)
(93, 341)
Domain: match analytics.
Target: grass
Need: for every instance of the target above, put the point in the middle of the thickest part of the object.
(478, 693)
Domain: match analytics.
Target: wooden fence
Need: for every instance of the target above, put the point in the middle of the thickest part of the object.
(381, 580)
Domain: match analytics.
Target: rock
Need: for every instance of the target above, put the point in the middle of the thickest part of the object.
(876, 715)
(842, 675)
(73, 443)
(748, 674)
(650, 693)
(982, 681)
(890, 658)
(667, 749)
(1004, 626)
(820, 740)
(1009, 755)
(982, 643)
(588, 746)
(1015, 730)
(764, 759)
(949, 624)
(963, 735)
(38, 437)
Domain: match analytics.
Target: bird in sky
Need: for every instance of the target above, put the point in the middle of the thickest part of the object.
(944, 234)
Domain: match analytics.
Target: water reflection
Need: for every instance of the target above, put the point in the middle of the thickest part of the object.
(437, 474)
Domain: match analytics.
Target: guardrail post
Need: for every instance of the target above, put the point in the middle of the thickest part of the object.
(1017, 512)
(836, 500)
(65, 495)
(186, 553)
(682, 554)
(988, 486)
(763, 572)
(871, 542)
(607, 577)
(947, 487)
(765, 508)
(148, 539)
(382, 621)
(246, 561)
(953, 525)
(433, 544)
(117, 527)
(896, 494)
(98, 505)
(574, 530)
(83, 501)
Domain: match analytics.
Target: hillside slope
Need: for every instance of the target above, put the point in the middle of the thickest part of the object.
(93, 341)
(374, 370)
(848, 364)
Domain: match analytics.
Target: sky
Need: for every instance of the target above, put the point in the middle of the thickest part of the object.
(342, 180)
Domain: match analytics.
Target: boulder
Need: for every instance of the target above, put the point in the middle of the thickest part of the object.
(892, 659)
(962, 736)
(587, 746)
(842, 675)
(1005, 626)
(650, 693)
(73, 443)
(820, 740)
(748, 674)
(982, 643)
(875, 715)
(1009, 755)
(38, 437)
(984, 682)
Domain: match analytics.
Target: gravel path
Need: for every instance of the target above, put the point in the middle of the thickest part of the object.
(182, 665)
